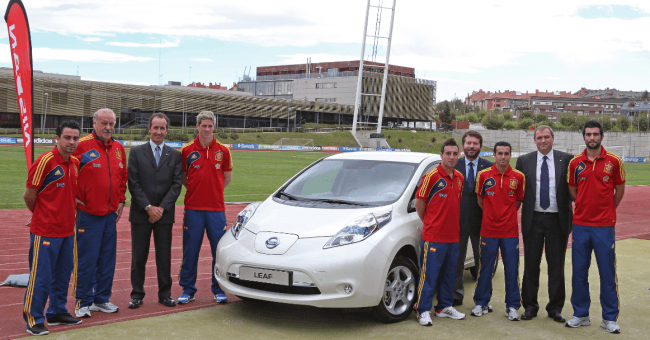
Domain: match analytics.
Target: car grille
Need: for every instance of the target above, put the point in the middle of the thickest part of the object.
(275, 288)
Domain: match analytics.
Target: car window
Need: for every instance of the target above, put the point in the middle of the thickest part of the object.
(360, 181)
(410, 207)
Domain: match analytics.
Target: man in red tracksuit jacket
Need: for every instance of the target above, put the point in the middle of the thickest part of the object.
(100, 195)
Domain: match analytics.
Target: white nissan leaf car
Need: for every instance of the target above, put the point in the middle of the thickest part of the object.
(342, 233)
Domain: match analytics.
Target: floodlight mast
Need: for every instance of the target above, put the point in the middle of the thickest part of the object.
(383, 87)
(360, 95)
(357, 102)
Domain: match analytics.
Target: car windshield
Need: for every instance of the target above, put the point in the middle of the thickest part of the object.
(351, 182)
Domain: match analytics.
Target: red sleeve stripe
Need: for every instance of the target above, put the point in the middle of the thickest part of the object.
(41, 166)
(523, 179)
(425, 183)
(478, 179)
(571, 170)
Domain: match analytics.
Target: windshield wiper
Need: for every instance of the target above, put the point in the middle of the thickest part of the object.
(291, 197)
(329, 200)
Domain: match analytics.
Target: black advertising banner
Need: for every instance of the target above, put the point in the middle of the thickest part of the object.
(20, 43)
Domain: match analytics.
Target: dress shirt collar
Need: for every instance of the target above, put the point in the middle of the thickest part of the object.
(153, 146)
(475, 161)
(540, 156)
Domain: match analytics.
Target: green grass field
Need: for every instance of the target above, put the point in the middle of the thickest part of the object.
(256, 173)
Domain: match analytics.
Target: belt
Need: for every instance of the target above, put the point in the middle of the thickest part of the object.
(547, 213)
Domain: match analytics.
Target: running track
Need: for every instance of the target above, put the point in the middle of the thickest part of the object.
(632, 222)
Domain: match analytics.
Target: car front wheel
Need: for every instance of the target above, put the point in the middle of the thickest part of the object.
(400, 291)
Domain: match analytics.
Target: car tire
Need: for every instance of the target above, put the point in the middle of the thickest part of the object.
(400, 291)
(474, 270)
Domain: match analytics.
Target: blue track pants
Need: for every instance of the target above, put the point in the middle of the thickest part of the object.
(600, 240)
(196, 224)
(510, 255)
(51, 260)
(97, 250)
(438, 263)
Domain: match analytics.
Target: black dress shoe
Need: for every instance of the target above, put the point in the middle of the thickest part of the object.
(458, 303)
(528, 315)
(135, 303)
(168, 301)
(557, 317)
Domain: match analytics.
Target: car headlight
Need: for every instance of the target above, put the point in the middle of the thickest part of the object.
(242, 218)
(360, 229)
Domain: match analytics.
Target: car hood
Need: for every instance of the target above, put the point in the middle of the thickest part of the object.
(272, 216)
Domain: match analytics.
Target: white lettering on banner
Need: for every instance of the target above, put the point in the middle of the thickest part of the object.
(13, 37)
(19, 86)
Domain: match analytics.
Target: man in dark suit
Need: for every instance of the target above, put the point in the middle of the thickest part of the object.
(471, 214)
(155, 181)
(546, 219)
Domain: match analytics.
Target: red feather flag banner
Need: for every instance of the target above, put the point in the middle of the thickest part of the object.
(20, 42)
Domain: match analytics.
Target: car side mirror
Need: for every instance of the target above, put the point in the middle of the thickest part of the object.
(411, 206)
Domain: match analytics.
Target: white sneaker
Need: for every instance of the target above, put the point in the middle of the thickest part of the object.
(481, 310)
(107, 307)
(425, 319)
(610, 326)
(576, 322)
(512, 314)
(450, 312)
(83, 312)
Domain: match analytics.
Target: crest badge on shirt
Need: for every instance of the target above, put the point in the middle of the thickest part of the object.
(608, 168)
(219, 156)
(606, 179)
(513, 184)
(118, 154)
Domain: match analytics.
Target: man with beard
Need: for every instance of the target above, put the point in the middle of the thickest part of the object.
(100, 196)
(472, 214)
(597, 184)
(50, 196)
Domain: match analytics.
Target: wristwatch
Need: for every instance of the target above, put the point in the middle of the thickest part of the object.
(147, 207)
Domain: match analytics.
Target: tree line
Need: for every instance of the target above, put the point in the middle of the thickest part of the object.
(448, 111)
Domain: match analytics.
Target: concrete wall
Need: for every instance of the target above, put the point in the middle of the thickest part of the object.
(635, 144)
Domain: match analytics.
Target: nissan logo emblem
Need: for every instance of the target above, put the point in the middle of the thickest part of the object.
(272, 242)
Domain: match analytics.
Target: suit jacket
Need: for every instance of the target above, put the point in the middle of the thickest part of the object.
(528, 165)
(470, 213)
(156, 185)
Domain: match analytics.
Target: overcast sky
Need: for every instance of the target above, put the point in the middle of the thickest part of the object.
(554, 45)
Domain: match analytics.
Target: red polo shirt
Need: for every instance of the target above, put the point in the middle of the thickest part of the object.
(500, 193)
(56, 180)
(204, 168)
(595, 181)
(442, 214)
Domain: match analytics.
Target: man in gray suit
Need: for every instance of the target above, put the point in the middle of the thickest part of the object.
(546, 218)
(155, 181)
(471, 215)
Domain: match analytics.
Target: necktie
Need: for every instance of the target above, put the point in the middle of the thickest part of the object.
(544, 199)
(470, 177)
(157, 154)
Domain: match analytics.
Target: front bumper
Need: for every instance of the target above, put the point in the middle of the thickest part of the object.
(360, 265)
